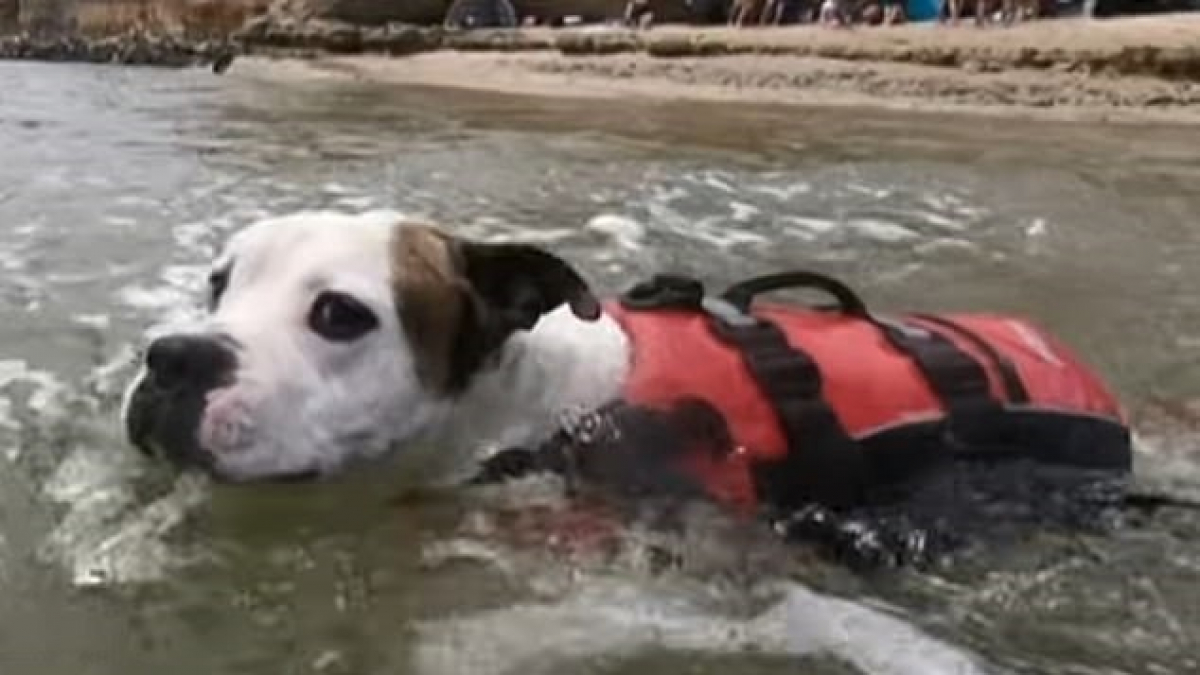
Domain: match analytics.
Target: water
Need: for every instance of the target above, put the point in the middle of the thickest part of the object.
(116, 185)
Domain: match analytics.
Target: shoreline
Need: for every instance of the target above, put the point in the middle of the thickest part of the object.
(131, 49)
(1137, 70)
(789, 81)
(1143, 69)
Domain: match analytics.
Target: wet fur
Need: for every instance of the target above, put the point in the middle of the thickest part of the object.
(477, 344)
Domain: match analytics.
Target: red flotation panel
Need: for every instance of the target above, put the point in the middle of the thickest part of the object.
(872, 387)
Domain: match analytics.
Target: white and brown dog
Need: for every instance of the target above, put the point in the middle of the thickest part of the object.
(332, 338)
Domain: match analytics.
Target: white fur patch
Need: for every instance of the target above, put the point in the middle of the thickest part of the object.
(300, 403)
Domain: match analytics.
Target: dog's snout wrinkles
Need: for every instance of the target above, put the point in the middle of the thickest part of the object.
(180, 360)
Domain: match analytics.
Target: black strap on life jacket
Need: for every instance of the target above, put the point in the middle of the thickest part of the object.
(1014, 388)
(824, 464)
(831, 467)
(959, 381)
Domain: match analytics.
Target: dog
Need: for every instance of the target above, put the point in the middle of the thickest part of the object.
(332, 340)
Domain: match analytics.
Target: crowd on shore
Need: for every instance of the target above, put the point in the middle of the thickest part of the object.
(466, 14)
(839, 13)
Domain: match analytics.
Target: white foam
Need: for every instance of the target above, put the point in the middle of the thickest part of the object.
(46, 397)
(12, 263)
(105, 536)
(869, 190)
(941, 222)
(14, 253)
(137, 200)
(124, 222)
(1187, 341)
(543, 236)
(1036, 228)
(720, 183)
(782, 192)
(1165, 461)
(666, 194)
(942, 201)
(28, 229)
(743, 212)
(70, 278)
(111, 377)
(625, 232)
(611, 618)
(711, 232)
(881, 230)
(714, 230)
(190, 278)
(448, 551)
(808, 227)
(194, 237)
(11, 449)
(152, 297)
(943, 245)
(97, 321)
(83, 475)
(336, 189)
(357, 203)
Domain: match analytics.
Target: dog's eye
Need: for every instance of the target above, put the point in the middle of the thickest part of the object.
(340, 318)
(218, 281)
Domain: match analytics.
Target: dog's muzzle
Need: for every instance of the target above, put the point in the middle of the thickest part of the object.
(166, 407)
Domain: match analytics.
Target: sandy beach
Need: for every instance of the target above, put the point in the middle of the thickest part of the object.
(1143, 69)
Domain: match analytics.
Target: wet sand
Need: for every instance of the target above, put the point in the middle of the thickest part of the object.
(1143, 69)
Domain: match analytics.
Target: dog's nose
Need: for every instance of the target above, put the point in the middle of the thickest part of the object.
(198, 360)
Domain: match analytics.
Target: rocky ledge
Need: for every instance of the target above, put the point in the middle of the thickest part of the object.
(282, 34)
(1167, 49)
(1136, 48)
(270, 33)
(130, 49)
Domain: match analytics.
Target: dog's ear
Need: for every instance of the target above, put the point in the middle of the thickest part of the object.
(459, 300)
(517, 284)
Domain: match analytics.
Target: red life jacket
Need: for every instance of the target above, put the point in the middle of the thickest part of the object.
(1043, 401)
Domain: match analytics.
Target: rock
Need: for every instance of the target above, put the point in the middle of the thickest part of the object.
(256, 29)
(133, 48)
(702, 47)
(496, 39)
(1182, 63)
(222, 63)
(597, 43)
(671, 47)
(373, 12)
(288, 30)
(1026, 57)
(336, 37)
(400, 39)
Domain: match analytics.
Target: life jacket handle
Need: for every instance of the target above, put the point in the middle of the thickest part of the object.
(741, 295)
(738, 298)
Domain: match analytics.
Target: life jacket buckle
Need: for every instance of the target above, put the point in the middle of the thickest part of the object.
(665, 291)
(727, 314)
(901, 335)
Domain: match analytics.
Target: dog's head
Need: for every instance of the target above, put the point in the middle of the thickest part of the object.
(330, 338)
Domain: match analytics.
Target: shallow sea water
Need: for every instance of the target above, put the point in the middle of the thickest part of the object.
(117, 185)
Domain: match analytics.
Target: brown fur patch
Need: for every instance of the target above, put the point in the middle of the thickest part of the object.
(430, 295)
